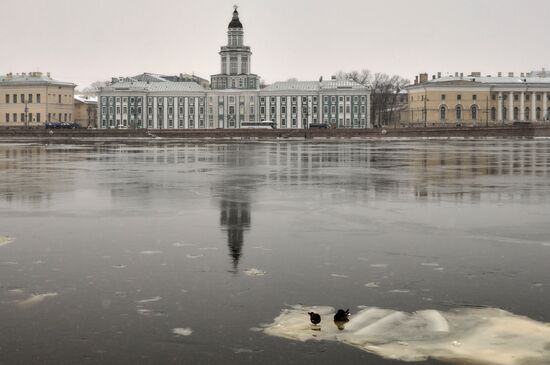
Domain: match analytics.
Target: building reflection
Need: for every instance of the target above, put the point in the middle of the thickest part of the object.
(235, 220)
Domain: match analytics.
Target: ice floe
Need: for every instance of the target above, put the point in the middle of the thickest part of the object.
(150, 252)
(339, 276)
(5, 240)
(189, 256)
(487, 336)
(35, 299)
(154, 299)
(372, 284)
(254, 272)
(182, 331)
(379, 265)
(399, 291)
(179, 244)
(118, 266)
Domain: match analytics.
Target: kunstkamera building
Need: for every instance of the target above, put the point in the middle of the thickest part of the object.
(234, 96)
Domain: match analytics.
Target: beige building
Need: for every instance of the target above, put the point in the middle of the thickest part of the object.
(85, 110)
(33, 99)
(476, 100)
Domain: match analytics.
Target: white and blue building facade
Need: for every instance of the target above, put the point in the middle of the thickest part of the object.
(234, 96)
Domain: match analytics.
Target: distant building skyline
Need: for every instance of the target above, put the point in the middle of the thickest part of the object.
(94, 41)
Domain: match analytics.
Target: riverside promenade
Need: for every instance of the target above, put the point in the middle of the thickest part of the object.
(127, 135)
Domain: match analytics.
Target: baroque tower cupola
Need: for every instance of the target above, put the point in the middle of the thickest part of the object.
(235, 60)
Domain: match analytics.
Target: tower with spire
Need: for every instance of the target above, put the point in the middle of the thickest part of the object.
(235, 60)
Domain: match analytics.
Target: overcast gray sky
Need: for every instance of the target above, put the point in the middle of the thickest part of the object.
(86, 41)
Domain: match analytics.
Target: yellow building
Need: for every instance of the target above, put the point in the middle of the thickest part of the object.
(33, 99)
(476, 100)
(85, 110)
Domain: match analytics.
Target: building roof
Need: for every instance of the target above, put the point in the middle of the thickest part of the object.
(484, 81)
(86, 99)
(314, 85)
(235, 22)
(144, 86)
(31, 78)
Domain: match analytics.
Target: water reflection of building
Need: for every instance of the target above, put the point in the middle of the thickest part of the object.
(235, 220)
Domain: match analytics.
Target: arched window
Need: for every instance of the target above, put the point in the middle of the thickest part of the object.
(458, 112)
(526, 113)
(538, 114)
(493, 114)
(516, 113)
(473, 109)
(443, 113)
(504, 113)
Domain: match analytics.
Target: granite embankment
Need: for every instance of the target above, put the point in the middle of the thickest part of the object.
(125, 135)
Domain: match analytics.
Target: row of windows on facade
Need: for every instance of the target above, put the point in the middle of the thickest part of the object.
(30, 117)
(232, 122)
(29, 98)
(232, 99)
(474, 113)
(493, 97)
(231, 110)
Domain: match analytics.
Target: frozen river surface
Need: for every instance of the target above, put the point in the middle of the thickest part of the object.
(213, 253)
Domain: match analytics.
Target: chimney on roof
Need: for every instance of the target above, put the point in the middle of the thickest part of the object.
(439, 75)
(433, 77)
(423, 77)
(522, 74)
(416, 80)
(500, 74)
(461, 74)
(476, 74)
(510, 74)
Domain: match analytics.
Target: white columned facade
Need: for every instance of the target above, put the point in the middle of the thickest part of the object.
(545, 105)
(499, 111)
(522, 106)
(511, 106)
(533, 106)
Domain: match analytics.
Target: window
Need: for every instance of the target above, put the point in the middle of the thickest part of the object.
(526, 114)
(493, 96)
(516, 97)
(493, 114)
(527, 97)
(474, 98)
(442, 113)
(516, 113)
(231, 110)
(59, 99)
(458, 112)
(7, 117)
(474, 112)
(15, 117)
(443, 97)
(30, 98)
(22, 117)
(233, 65)
(538, 115)
(459, 97)
(538, 97)
(14, 99)
(23, 98)
(7, 98)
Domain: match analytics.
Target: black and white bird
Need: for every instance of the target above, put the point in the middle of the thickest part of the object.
(314, 318)
(341, 315)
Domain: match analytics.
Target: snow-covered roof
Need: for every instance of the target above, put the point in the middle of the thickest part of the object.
(86, 99)
(314, 85)
(31, 78)
(152, 86)
(485, 80)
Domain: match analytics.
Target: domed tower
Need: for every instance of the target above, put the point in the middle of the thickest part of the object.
(235, 60)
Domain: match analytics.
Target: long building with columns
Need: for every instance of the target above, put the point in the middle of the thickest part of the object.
(479, 100)
(234, 96)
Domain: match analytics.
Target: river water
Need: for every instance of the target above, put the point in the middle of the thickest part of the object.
(183, 253)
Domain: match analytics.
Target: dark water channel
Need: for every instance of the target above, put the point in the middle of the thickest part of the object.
(178, 253)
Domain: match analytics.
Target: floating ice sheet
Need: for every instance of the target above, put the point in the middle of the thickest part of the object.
(182, 331)
(34, 299)
(254, 272)
(150, 300)
(5, 240)
(487, 336)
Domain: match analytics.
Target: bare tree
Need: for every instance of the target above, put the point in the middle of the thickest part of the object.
(385, 89)
(94, 88)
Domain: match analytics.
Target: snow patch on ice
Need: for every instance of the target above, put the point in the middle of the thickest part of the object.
(189, 256)
(372, 284)
(5, 240)
(379, 265)
(339, 276)
(150, 252)
(154, 299)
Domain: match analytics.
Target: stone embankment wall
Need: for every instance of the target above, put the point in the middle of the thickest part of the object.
(7, 134)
